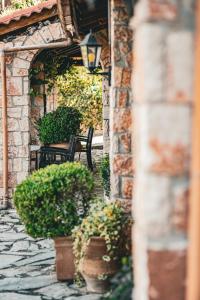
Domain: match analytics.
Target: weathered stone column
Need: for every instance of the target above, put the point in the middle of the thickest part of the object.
(163, 91)
(120, 103)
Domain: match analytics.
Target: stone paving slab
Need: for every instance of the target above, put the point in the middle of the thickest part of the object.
(27, 266)
(15, 296)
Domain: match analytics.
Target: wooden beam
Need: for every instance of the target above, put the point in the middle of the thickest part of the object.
(25, 22)
(193, 285)
(39, 46)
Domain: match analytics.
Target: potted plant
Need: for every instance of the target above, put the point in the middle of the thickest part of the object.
(99, 243)
(55, 128)
(51, 202)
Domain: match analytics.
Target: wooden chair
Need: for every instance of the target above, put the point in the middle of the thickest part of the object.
(51, 155)
(86, 146)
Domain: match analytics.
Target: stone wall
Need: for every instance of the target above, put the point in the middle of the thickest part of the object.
(18, 88)
(120, 102)
(163, 93)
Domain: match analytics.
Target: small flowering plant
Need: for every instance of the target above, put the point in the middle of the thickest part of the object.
(107, 220)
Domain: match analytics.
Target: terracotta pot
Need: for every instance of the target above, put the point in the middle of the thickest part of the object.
(94, 266)
(65, 268)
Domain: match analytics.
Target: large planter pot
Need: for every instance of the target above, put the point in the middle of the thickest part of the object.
(93, 266)
(65, 268)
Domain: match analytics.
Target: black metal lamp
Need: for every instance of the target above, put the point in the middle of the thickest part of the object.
(91, 52)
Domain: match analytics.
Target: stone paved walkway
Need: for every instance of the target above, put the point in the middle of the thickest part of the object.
(27, 269)
(27, 266)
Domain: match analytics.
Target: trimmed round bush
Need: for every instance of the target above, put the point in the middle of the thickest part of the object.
(57, 126)
(53, 200)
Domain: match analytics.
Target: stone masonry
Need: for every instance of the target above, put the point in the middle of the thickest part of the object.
(120, 103)
(163, 93)
(18, 89)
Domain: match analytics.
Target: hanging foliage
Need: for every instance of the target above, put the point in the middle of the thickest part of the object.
(78, 89)
(46, 70)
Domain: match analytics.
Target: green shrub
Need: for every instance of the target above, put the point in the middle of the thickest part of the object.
(78, 89)
(105, 174)
(57, 126)
(53, 200)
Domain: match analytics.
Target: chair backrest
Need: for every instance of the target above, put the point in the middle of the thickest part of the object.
(89, 137)
(72, 147)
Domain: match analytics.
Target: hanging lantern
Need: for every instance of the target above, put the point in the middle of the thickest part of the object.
(91, 52)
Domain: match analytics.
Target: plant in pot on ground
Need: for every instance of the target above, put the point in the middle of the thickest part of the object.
(51, 202)
(99, 243)
(56, 127)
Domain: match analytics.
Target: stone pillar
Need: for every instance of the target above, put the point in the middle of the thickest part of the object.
(120, 103)
(19, 104)
(106, 116)
(163, 86)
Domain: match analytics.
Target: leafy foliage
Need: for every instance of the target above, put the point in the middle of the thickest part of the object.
(57, 126)
(106, 220)
(53, 200)
(48, 67)
(121, 283)
(105, 174)
(78, 89)
(19, 4)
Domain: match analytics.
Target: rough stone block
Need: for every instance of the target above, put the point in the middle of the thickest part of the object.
(26, 55)
(26, 86)
(152, 205)
(19, 72)
(180, 66)
(17, 164)
(24, 124)
(46, 34)
(122, 164)
(21, 63)
(127, 187)
(170, 283)
(12, 180)
(115, 186)
(125, 143)
(122, 120)
(20, 100)
(180, 215)
(14, 112)
(13, 124)
(150, 69)
(21, 176)
(156, 10)
(37, 37)
(23, 151)
(163, 143)
(14, 86)
(17, 138)
(56, 31)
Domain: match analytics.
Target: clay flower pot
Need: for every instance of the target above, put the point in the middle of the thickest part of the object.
(93, 266)
(65, 268)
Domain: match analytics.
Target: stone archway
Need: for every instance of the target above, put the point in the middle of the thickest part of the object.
(18, 102)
